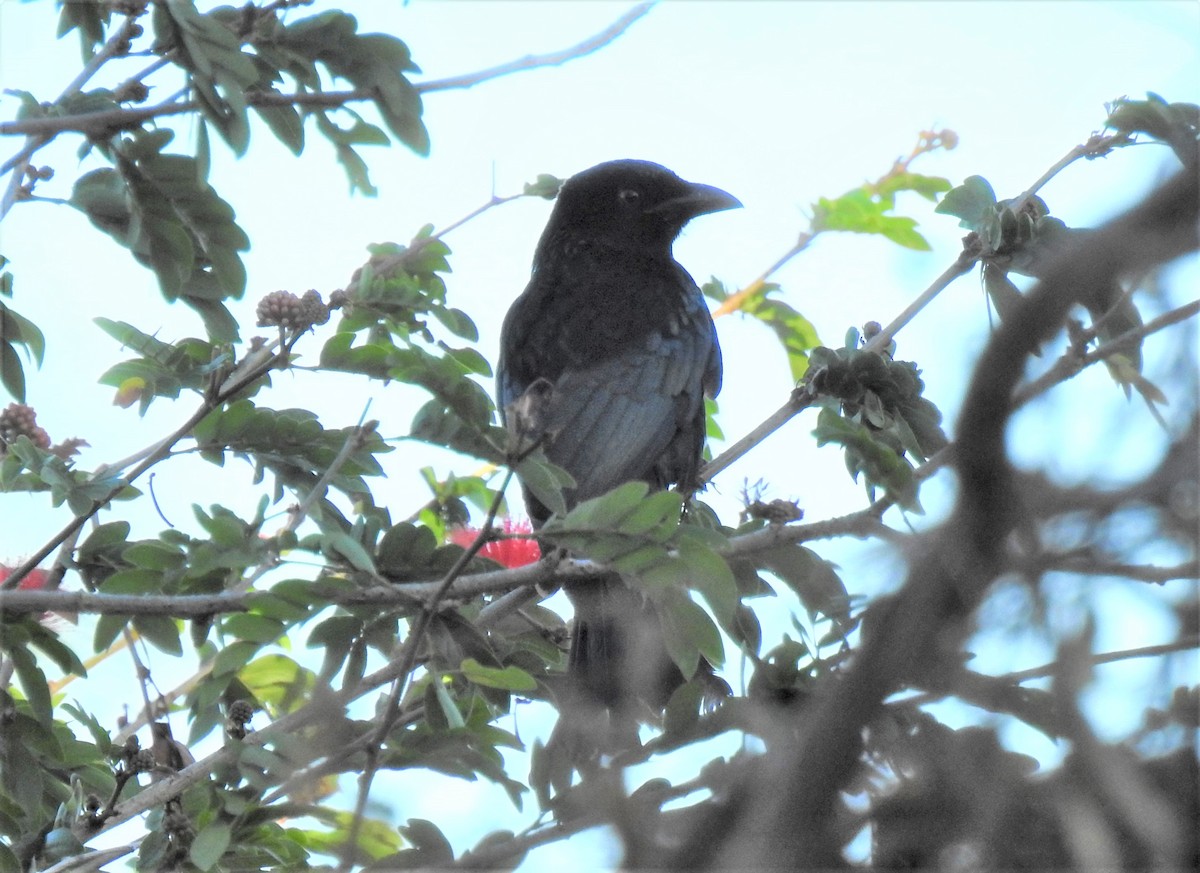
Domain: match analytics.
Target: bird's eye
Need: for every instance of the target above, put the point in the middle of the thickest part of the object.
(629, 196)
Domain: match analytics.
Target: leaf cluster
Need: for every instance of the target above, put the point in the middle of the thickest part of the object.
(160, 207)
(795, 332)
(867, 209)
(874, 407)
(387, 332)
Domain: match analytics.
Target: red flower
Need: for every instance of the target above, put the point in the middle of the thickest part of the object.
(33, 579)
(515, 552)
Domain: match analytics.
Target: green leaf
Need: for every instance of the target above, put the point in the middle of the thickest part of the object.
(154, 555)
(971, 202)
(12, 374)
(431, 844)
(373, 62)
(446, 703)
(343, 139)
(657, 516)
(33, 683)
(545, 482)
(902, 231)
(220, 71)
(160, 631)
(458, 323)
(545, 186)
(61, 843)
(794, 331)
(63, 656)
(132, 581)
(88, 16)
(349, 549)
(606, 511)
(436, 424)
(814, 580)
(508, 678)
(253, 628)
(1001, 291)
(130, 337)
(405, 550)
(209, 845)
(858, 211)
(160, 208)
(108, 628)
(927, 186)
(233, 657)
(869, 455)
(648, 560)
(16, 329)
(285, 122)
(8, 861)
(688, 632)
(711, 576)
(747, 629)
(278, 681)
(1108, 301)
(1176, 124)
(682, 711)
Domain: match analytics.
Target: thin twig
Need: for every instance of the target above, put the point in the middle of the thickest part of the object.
(797, 401)
(1097, 146)
(123, 118)
(92, 860)
(142, 671)
(961, 266)
(1151, 573)
(1010, 680)
(1072, 362)
(475, 213)
(355, 441)
(408, 657)
(735, 301)
(550, 59)
(927, 142)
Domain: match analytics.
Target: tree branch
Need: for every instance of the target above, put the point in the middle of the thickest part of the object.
(1097, 146)
(117, 119)
(863, 523)
(1075, 360)
(985, 690)
(950, 573)
(550, 59)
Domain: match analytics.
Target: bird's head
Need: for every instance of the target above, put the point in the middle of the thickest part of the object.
(632, 204)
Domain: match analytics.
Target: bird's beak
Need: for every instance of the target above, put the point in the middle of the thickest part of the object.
(698, 200)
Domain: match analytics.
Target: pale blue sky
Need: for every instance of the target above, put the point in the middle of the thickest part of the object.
(778, 103)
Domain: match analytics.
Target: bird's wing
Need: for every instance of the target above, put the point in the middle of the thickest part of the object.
(614, 420)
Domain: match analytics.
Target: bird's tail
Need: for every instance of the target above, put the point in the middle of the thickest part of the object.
(620, 674)
(618, 657)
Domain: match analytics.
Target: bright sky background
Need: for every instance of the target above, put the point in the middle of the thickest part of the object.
(779, 104)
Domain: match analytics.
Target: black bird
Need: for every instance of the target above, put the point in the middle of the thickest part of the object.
(621, 333)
